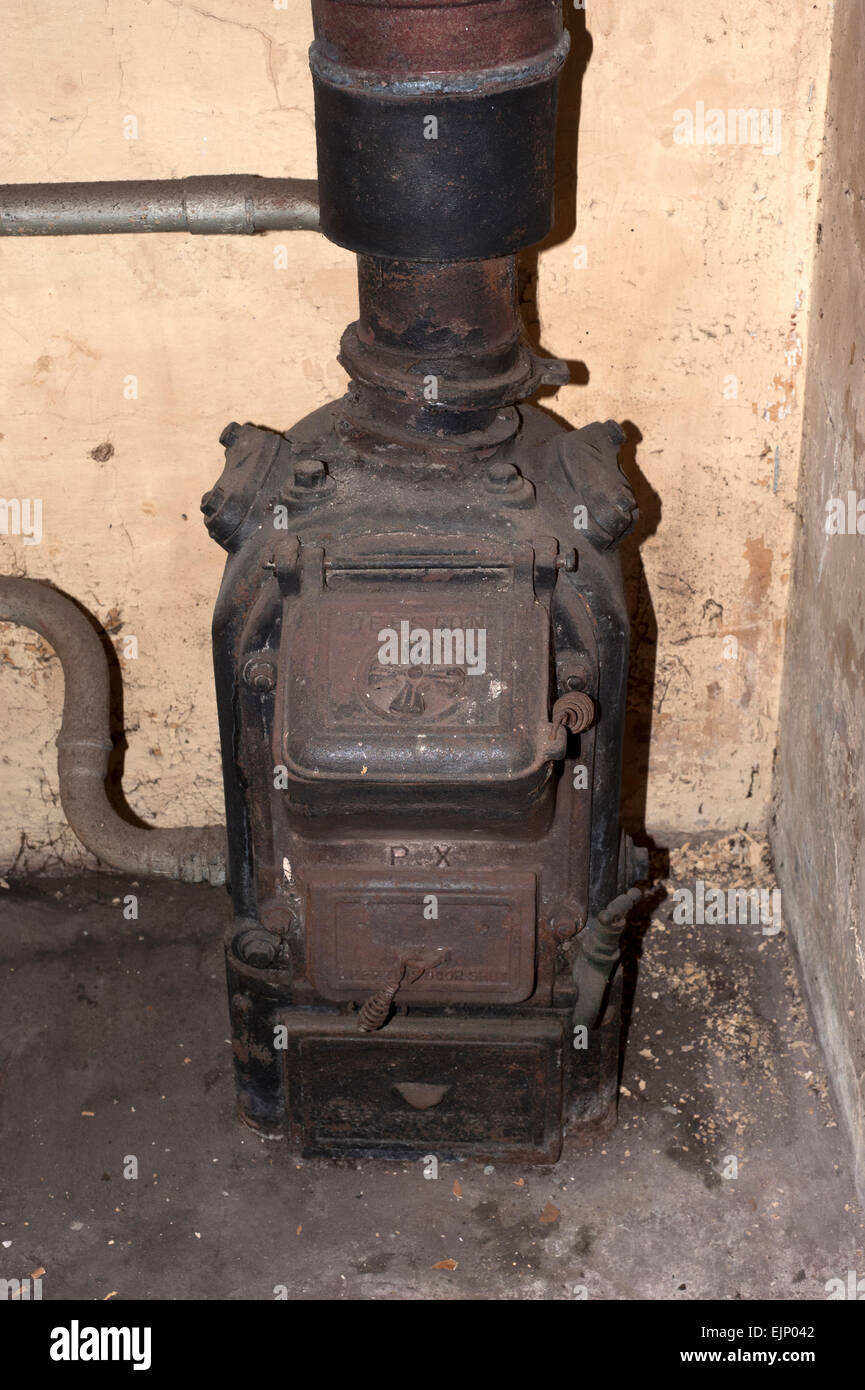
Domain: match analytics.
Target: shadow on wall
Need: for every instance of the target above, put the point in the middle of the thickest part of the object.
(565, 195)
(644, 643)
(644, 628)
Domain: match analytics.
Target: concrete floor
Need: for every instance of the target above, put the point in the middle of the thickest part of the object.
(113, 1043)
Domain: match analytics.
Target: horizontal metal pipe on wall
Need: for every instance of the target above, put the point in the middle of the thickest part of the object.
(206, 205)
(191, 853)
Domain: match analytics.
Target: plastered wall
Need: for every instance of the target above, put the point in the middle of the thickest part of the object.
(819, 826)
(680, 291)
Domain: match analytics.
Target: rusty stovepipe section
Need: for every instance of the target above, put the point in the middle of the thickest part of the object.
(415, 38)
(438, 348)
(435, 125)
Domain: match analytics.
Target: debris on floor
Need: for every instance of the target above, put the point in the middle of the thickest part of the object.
(126, 1168)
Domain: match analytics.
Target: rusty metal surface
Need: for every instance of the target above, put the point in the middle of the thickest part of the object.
(442, 344)
(357, 537)
(361, 925)
(413, 37)
(454, 736)
(420, 830)
(492, 1088)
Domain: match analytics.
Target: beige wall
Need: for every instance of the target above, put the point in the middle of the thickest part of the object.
(698, 262)
(819, 832)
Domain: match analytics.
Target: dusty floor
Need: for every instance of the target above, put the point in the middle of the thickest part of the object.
(113, 1046)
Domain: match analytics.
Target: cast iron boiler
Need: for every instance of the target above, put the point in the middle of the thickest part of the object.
(421, 639)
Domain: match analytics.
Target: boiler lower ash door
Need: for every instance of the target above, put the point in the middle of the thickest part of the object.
(443, 1086)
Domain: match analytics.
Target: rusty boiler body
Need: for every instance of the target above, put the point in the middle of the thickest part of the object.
(420, 646)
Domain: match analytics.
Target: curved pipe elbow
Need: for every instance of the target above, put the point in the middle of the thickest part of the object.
(191, 853)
